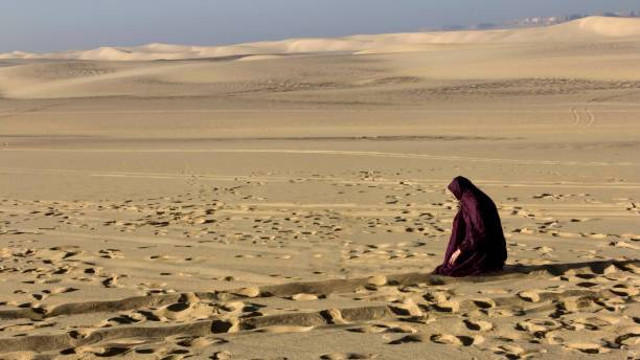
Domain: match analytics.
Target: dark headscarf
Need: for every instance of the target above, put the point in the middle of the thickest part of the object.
(476, 231)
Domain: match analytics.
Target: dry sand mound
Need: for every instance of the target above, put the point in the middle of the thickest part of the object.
(588, 29)
(293, 206)
(583, 49)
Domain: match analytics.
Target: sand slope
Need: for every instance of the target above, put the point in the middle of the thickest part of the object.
(601, 49)
(272, 204)
(587, 29)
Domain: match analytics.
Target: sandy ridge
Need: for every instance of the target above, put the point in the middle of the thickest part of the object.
(577, 30)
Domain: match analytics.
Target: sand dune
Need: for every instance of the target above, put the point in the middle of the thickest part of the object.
(287, 199)
(587, 29)
(363, 64)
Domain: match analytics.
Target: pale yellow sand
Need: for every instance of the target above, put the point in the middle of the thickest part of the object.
(293, 205)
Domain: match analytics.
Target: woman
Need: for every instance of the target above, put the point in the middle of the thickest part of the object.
(477, 244)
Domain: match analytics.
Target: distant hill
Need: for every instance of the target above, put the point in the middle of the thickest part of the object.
(581, 30)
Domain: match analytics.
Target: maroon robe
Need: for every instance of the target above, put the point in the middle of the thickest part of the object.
(476, 231)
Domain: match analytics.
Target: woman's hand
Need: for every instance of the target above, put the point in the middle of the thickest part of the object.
(454, 257)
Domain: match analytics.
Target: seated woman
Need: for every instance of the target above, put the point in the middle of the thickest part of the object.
(477, 243)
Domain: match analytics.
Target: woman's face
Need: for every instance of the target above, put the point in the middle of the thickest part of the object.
(451, 194)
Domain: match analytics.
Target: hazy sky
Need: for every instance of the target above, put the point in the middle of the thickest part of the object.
(47, 25)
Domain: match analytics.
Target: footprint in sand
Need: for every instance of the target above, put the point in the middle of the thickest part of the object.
(107, 351)
(385, 328)
(614, 305)
(188, 308)
(347, 356)
(587, 348)
(632, 237)
(447, 339)
(198, 341)
(624, 244)
(405, 307)
(478, 325)
(222, 326)
(110, 281)
(111, 254)
(516, 352)
(222, 355)
(630, 338)
(537, 327)
(440, 301)
(285, 329)
(530, 296)
(304, 297)
(93, 270)
(460, 340)
(572, 304)
(240, 307)
(413, 338)
(249, 292)
(123, 320)
(55, 291)
(484, 303)
(594, 235)
(625, 290)
(163, 257)
(448, 306)
(543, 249)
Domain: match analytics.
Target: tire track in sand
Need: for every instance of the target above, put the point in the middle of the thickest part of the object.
(335, 153)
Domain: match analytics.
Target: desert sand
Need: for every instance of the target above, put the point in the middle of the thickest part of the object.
(287, 199)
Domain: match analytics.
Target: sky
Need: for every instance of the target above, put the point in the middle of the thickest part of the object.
(55, 25)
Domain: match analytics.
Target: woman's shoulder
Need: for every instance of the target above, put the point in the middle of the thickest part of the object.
(469, 199)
